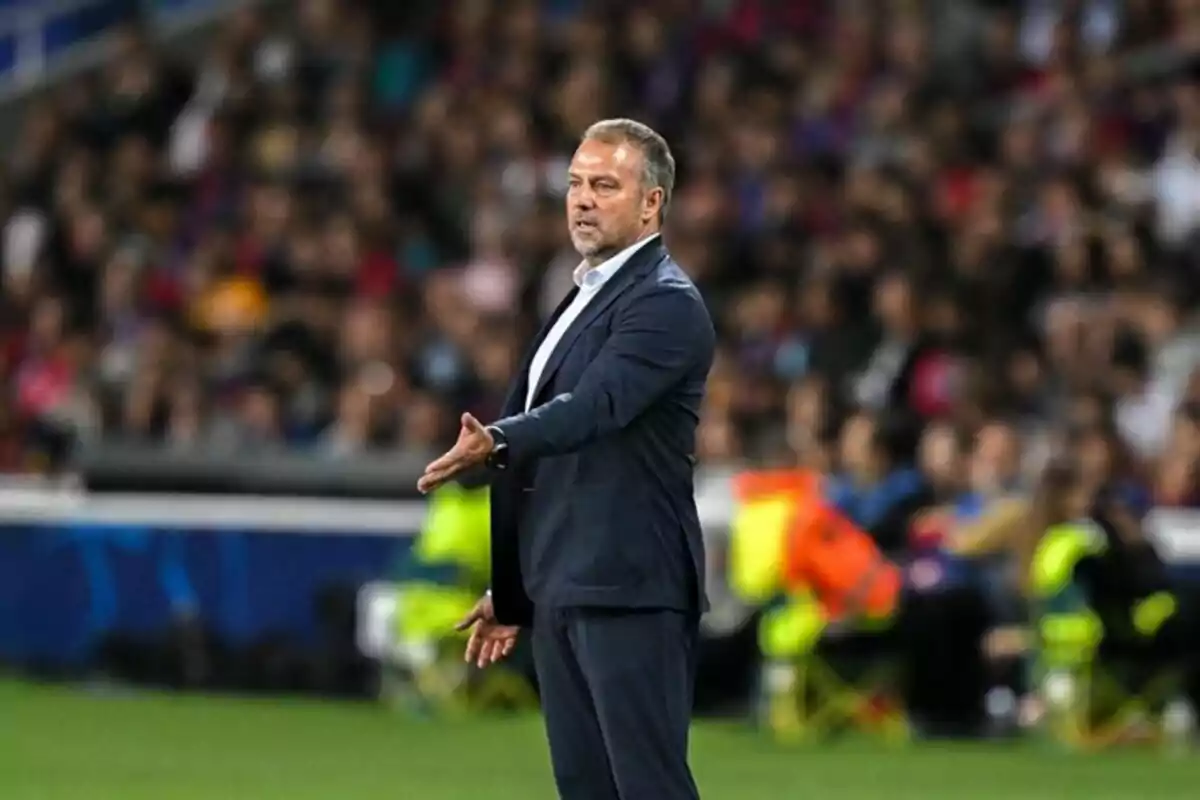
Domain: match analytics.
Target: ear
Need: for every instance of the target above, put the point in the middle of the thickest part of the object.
(652, 205)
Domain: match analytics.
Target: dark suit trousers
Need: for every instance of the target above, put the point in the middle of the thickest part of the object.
(616, 689)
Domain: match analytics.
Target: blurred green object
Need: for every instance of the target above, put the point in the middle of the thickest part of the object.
(436, 586)
(1094, 702)
(67, 744)
(446, 571)
(456, 534)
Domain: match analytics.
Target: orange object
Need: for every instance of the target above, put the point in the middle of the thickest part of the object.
(839, 563)
(796, 483)
(823, 552)
(233, 304)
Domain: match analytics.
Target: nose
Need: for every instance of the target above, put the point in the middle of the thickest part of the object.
(582, 197)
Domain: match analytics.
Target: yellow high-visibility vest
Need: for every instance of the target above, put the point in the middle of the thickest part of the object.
(457, 531)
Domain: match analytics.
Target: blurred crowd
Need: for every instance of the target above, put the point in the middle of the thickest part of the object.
(339, 227)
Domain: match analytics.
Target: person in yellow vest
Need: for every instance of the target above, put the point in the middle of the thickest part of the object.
(438, 583)
(1101, 592)
(788, 542)
(810, 567)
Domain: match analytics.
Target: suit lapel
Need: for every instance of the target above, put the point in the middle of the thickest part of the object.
(515, 402)
(641, 261)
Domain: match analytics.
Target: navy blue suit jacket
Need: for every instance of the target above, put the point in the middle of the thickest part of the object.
(597, 506)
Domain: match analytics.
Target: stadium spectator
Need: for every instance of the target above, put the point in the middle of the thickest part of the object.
(945, 189)
(877, 488)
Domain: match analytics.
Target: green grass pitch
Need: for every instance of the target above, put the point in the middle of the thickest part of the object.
(63, 744)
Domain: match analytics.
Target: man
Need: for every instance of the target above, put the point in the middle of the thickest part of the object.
(595, 537)
(877, 487)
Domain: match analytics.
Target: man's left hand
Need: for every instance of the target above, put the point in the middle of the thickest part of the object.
(473, 447)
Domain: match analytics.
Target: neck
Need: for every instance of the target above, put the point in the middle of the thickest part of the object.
(868, 475)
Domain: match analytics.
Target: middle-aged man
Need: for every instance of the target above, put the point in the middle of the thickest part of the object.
(595, 538)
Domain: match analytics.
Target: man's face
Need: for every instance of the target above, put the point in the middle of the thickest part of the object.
(939, 456)
(996, 459)
(893, 303)
(857, 445)
(608, 208)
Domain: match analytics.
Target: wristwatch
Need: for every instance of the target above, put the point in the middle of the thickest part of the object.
(498, 458)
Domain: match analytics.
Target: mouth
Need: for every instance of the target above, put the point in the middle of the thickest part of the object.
(584, 226)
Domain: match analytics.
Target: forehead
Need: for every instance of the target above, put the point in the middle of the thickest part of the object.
(996, 436)
(594, 157)
(859, 425)
(940, 436)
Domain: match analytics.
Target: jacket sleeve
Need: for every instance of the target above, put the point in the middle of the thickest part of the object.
(657, 339)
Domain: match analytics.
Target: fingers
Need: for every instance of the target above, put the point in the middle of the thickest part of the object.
(449, 460)
(463, 455)
(430, 481)
(435, 476)
(469, 620)
(487, 654)
(480, 649)
(484, 649)
(494, 650)
(474, 647)
(473, 425)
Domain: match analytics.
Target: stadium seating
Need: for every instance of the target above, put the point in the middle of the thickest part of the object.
(818, 681)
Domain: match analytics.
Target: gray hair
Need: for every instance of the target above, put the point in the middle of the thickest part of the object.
(659, 165)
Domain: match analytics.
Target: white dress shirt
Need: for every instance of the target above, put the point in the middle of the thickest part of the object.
(589, 280)
(1144, 419)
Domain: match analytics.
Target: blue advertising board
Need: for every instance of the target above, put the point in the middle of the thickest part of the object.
(72, 573)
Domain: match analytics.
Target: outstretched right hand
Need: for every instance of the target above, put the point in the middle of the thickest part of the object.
(490, 641)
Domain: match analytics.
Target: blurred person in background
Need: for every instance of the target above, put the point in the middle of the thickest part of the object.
(812, 424)
(1143, 408)
(1177, 482)
(940, 458)
(821, 193)
(877, 486)
(1107, 564)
